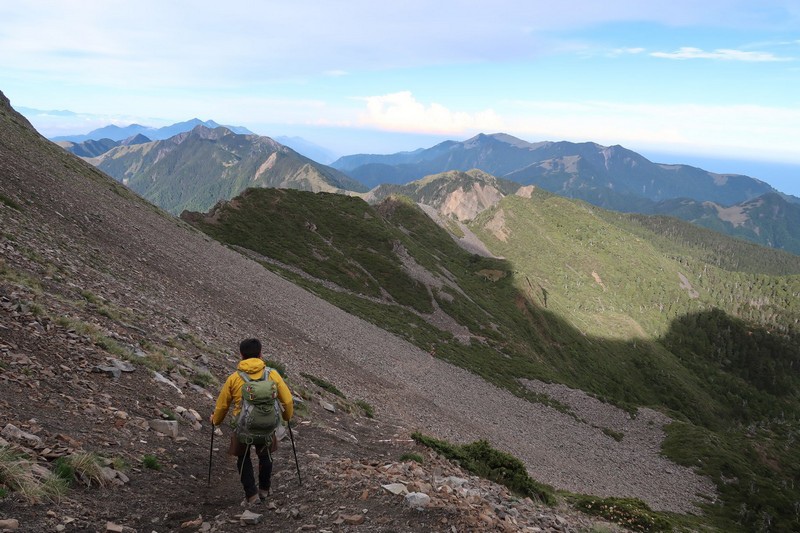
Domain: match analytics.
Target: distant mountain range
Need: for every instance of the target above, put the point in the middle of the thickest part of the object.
(196, 169)
(117, 133)
(610, 177)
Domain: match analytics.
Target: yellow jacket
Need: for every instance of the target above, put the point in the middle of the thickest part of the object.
(231, 391)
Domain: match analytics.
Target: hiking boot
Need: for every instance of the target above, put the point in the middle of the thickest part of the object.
(263, 493)
(255, 499)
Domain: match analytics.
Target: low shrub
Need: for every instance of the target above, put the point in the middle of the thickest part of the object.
(151, 462)
(412, 456)
(483, 460)
(277, 365)
(369, 412)
(630, 513)
(324, 385)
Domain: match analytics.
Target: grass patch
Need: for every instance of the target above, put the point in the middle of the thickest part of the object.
(157, 361)
(203, 379)
(85, 467)
(630, 513)
(412, 456)
(616, 435)
(277, 365)
(91, 297)
(9, 202)
(16, 475)
(369, 412)
(324, 385)
(483, 460)
(151, 462)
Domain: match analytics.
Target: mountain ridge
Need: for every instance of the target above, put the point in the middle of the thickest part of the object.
(197, 168)
(120, 133)
(611, 177)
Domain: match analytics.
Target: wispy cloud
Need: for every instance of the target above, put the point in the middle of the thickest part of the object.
(402, 112)
(724, 54)
(769, 131)
(616, 52)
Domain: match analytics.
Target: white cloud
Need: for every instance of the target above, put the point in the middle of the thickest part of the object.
(402, 112)
(185, 43)
(757, 132)
(626, 51)
(725, 54)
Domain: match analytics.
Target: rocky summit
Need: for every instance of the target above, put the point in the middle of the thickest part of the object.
(118, 323)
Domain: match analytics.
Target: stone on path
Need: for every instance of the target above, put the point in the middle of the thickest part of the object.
(352, 519)
(167, 427)
(396, 488)
(417, 500)
(9, 523)
(250, 518)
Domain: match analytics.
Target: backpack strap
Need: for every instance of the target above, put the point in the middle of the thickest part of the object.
(244, 376)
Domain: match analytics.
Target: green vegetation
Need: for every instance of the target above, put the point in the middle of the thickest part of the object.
(329, 236)
(151, 462)
(324, 385)
(16, 475)
(636, 314)
(483, 460)
(616, 435)
(81, 466)
(203, 379)
(9, 202)
(277, 365)
(412, 456)
(630, 513)
(369, 412)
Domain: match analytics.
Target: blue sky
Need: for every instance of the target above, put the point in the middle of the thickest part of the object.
(714, 80)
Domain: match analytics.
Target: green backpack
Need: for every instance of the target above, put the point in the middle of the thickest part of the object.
(259, 417)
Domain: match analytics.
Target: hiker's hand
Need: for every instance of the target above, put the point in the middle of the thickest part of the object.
(211, 419)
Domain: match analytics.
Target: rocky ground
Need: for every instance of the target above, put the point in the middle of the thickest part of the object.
(115, 318)
(63, 394)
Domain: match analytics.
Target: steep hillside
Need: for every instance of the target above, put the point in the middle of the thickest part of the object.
(634, 317)
(195, 170)
(115, 317)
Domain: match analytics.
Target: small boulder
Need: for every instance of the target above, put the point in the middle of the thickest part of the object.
(250, 518)
(10, 431)
(10, 524)
(352, 519)
(396, 488)
(417, 500)
(167, 427)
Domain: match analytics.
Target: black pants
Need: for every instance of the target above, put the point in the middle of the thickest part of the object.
(245, 467)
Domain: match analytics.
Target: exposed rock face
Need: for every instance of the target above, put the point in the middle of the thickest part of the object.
(465, 205)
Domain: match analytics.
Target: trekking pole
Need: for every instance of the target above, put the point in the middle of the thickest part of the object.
(296, 463)
(210, 454)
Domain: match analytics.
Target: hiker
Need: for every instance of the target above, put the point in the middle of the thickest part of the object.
(251, 368)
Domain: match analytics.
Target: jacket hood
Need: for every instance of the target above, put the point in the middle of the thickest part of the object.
(253, 365)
